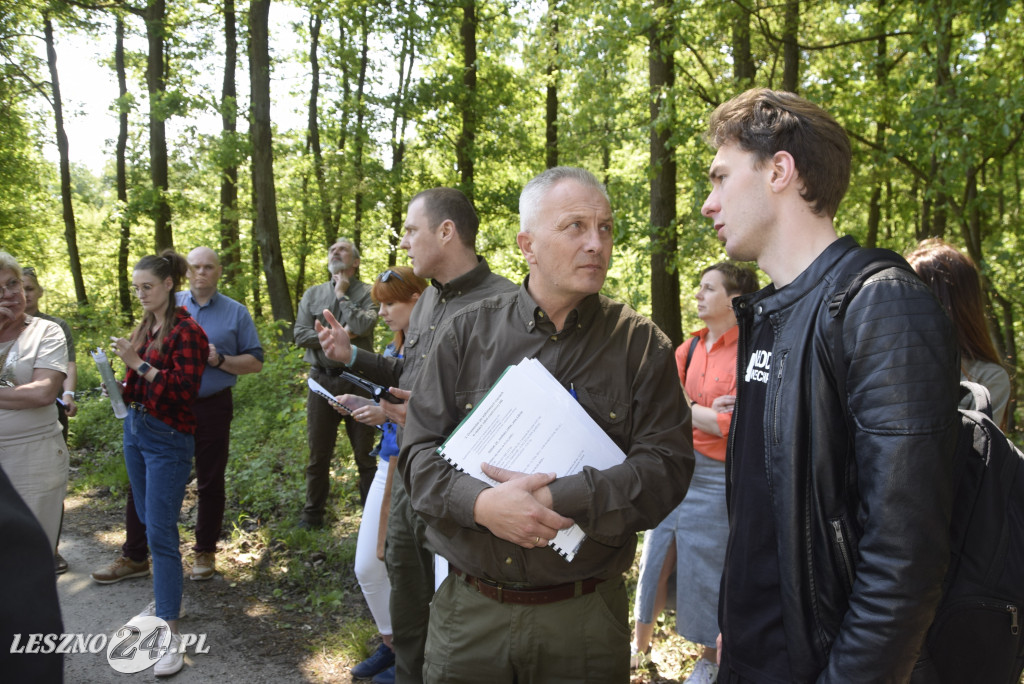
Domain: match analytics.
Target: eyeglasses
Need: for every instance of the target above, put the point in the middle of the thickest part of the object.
(13, 286)
(145, 289)
(386, 276)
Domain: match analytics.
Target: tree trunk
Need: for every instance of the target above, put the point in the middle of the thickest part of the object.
(332, 235)
(230, 247)
(943, 32)
(323, 201)
(551, 110)
(791, 47)
(464, 146)
(742, 59)
(70, 230)
(154, 15)
(254, 263)
(664, 276)
(123, 290)
(265, 226)
(398, 125)
(882, 76)
(357, 217)
(300, 277)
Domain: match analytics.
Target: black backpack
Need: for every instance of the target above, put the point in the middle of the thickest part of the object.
(976, 634)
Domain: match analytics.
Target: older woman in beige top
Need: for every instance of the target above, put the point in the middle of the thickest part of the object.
(33, 364)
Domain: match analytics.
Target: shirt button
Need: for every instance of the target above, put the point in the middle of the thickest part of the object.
(612, 415)
(554, 337)
(508, 560)
(469, 406)
(432, 327)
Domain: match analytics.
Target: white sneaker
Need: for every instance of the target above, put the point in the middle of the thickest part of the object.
(173, 658)
(150, 610)
(639, 660)
(704, 672)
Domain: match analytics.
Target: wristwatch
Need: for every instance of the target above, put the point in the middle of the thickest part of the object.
(220, 360)
(67, 392)
(143, 368)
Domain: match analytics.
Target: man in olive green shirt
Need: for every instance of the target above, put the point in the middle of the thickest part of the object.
(348, 299)
(511, 609)
(440, 238)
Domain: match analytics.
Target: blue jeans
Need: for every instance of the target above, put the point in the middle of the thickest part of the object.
(159, 461)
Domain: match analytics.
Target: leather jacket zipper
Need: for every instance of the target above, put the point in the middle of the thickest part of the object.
(778, 368)
(843, 550)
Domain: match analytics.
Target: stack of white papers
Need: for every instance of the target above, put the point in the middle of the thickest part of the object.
(528, 422)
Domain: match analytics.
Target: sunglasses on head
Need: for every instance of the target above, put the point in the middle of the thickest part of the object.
(386, 276)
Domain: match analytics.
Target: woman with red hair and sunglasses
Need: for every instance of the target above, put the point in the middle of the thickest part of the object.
(395, 291)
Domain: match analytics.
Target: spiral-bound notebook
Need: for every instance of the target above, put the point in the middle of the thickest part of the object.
(528, 422)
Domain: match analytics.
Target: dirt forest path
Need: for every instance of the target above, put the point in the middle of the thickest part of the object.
(243, 644)
(250, 639)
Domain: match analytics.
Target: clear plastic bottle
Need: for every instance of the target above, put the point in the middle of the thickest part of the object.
(112, 385)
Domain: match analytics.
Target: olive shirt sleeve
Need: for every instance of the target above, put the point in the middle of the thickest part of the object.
(304, 332)
(354, 310)
(383, 370)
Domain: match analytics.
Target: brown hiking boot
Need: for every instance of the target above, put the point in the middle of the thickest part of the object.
(121, 569)
(204, 565)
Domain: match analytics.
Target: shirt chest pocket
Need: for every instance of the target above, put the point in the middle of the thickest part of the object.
(467, 400)
(611, 415)
(714, 386)
(416, 344)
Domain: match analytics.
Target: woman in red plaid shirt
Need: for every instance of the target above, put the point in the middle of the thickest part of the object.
(165, 356)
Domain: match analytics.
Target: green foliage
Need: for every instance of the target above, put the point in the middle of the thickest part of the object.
(927, 91)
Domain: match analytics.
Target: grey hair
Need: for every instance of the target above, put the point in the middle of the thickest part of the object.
(9, 263)
(351, 245)
(539, 186)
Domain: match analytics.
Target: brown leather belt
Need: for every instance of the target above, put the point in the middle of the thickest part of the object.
(533, 596)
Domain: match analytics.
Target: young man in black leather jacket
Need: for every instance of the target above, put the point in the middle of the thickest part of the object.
(839, 521)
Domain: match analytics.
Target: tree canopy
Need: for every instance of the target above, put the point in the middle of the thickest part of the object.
(483, 94)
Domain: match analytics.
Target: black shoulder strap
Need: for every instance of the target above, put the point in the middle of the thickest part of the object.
(689, 353)
(861, 266)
